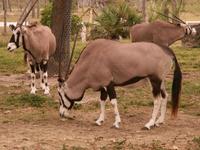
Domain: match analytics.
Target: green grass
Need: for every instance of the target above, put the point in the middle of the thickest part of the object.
(11, 62)
(196, 140)
(28, 100)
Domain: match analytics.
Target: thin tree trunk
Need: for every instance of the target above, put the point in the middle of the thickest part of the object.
(144, 10)
(38, 9)
(61, 27)
(5, 15)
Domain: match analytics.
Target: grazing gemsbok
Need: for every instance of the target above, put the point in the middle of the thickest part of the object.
(105, 64)
(39, 43)
(161, 32)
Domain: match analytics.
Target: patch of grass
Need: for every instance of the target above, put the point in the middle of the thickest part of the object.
(196, 140)
(29, 100)
(11, 62)
(156, 145)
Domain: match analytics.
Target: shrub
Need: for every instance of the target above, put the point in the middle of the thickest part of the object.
(115, 21)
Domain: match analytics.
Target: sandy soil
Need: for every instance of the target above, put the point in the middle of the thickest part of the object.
(48, 131)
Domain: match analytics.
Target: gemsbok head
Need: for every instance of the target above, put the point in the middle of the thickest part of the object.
(105, 64)
(39, 44)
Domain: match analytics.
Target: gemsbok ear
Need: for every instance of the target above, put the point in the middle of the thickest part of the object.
(12, 27)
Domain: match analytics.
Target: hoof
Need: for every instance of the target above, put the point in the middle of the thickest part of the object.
(46, 93)
(116, 125)
(99, 122)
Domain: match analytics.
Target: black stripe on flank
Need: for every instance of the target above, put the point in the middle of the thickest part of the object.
(130, 81)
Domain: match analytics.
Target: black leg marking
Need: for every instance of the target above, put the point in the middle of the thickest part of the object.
(37, 67)
(32, 68)
(111, 91)
(163, 93)
(104, 94)
(156, 85)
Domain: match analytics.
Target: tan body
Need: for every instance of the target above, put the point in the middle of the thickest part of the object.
(105, 64)
(40, 41)
(105, 61)
(160, 32)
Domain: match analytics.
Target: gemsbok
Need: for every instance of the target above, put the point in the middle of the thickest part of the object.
(105, 64)
(39, 44)
(160, 32)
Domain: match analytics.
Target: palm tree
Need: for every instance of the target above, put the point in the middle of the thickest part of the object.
(61, 26)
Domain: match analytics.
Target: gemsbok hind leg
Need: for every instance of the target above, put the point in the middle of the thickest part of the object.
(103, 98)
(156, 90)
(33, 77)
(44, 81)
(163, 106)
(112, 96)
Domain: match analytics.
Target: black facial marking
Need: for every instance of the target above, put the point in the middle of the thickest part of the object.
(62, 101)
(33, 84)
(46, 84)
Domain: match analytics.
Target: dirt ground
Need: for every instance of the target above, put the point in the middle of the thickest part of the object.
(31, 128)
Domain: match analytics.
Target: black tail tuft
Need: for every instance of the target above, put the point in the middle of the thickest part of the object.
(176, 88)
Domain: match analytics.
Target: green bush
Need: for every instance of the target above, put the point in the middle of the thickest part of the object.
(116, 20)
(47, 18)
(46, 15)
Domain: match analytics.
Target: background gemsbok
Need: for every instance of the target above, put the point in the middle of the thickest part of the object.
(161, 32)
(38, 42)
(104, 64)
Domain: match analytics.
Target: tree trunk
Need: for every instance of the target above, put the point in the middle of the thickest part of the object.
(5, 15)
(38, 9)
(61, 27)
(144, 10)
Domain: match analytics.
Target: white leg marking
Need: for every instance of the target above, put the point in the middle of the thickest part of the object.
(156, 109)
(46, 90)
(42, 85)
(102, 114)
(117, 116)
(161, 119)
(33, 88)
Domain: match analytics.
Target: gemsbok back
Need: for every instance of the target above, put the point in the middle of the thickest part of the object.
(39, 44)
(160, 32)
(105, 64)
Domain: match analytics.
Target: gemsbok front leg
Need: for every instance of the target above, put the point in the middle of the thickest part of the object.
(103, 98)
(33, 77)
(112, 95)
(44, 81)
(156, 90)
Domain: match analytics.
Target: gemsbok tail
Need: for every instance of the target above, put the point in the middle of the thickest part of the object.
(176, 87)
(177, 81)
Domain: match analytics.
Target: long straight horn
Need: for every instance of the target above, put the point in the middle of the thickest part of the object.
(26, 11)
(70, 60)
(167, 16)
(178, 18)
